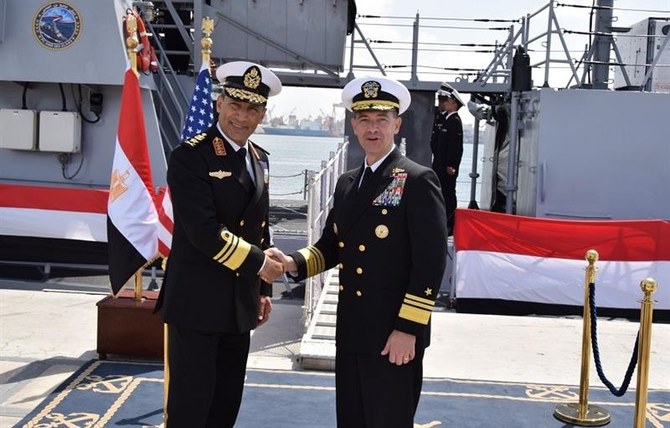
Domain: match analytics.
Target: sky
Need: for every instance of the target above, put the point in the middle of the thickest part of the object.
(451, 22)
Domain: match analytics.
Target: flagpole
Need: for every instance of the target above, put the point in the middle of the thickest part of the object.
(131, 43)
(138, 285)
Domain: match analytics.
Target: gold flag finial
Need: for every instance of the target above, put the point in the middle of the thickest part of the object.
(206, 41)
(131, 40)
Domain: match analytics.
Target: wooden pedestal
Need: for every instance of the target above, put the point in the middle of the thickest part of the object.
(129, 327)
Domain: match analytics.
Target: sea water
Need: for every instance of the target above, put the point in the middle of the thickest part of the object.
(291, 156)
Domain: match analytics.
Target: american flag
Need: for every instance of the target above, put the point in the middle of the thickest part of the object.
(200, 112)
(200, 117)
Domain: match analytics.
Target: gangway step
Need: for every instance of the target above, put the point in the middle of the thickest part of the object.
(326, 320)
(329, 309)
(323, 332)
(330, 299)
(317, 348)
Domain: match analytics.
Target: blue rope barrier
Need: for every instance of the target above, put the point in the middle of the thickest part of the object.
(596, 352)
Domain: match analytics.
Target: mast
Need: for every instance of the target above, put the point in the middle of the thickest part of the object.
(601, 44)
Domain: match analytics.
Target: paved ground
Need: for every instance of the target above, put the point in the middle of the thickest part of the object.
(48, 329)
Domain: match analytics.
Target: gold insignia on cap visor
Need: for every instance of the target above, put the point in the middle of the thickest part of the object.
(243, 95)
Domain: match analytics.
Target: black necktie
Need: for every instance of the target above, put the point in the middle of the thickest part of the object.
(366, 176)
(245, 177)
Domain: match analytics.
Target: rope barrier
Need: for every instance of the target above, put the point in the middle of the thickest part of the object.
(287, 176)
(596, 352)
(287, 194)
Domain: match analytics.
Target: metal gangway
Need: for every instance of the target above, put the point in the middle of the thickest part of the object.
(317, 348)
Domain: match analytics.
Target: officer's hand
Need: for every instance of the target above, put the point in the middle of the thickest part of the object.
(264, 309)
(400, 347)
(287, 261)
(271, 270)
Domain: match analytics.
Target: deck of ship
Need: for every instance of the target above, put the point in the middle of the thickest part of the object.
(48, 331)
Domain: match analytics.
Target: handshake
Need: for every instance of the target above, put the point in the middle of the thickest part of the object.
(276, 263)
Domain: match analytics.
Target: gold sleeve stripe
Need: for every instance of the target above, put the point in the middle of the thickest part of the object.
(234, 252)
(240, 254)
(418, 305)
(311, 262)
(318, 259)
(229, 239)
(314, 260)
(413, 314)
(419, 299)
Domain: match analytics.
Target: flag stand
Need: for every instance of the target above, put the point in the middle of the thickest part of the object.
(129, 327)
(127, 324)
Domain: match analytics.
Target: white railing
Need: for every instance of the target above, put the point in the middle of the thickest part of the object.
(320, 191)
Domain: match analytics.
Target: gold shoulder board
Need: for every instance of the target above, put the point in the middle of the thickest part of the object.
(195, 140)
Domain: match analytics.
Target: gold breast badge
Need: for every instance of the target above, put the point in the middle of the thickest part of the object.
(220, 174)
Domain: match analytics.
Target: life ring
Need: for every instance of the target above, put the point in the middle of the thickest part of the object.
(146, 54)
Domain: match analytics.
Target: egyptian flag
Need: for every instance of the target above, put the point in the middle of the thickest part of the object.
(132, 217)
(525, 259)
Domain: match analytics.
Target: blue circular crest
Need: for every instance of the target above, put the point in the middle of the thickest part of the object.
(57, 26)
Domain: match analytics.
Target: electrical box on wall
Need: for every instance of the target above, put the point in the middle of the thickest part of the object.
(17, 129)
(60, 131)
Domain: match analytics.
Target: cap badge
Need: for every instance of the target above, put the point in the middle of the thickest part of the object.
(252, 77)
(370, 89)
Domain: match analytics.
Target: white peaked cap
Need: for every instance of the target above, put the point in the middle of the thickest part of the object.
(249, 82)
(376, 93)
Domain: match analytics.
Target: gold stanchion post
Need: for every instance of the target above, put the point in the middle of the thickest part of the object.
(583, 413)
(648, 286)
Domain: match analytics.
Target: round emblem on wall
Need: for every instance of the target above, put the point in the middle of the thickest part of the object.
(57, 25)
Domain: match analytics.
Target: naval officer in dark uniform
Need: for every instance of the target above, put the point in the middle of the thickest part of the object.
(387, 234)
(446, 143)
(214, 294)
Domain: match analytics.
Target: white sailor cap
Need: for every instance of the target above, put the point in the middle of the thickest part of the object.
(446, 91)
(249, 82)
(376, 93)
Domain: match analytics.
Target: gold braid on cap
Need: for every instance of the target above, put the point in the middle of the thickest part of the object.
(374, 105)
(243, 95)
